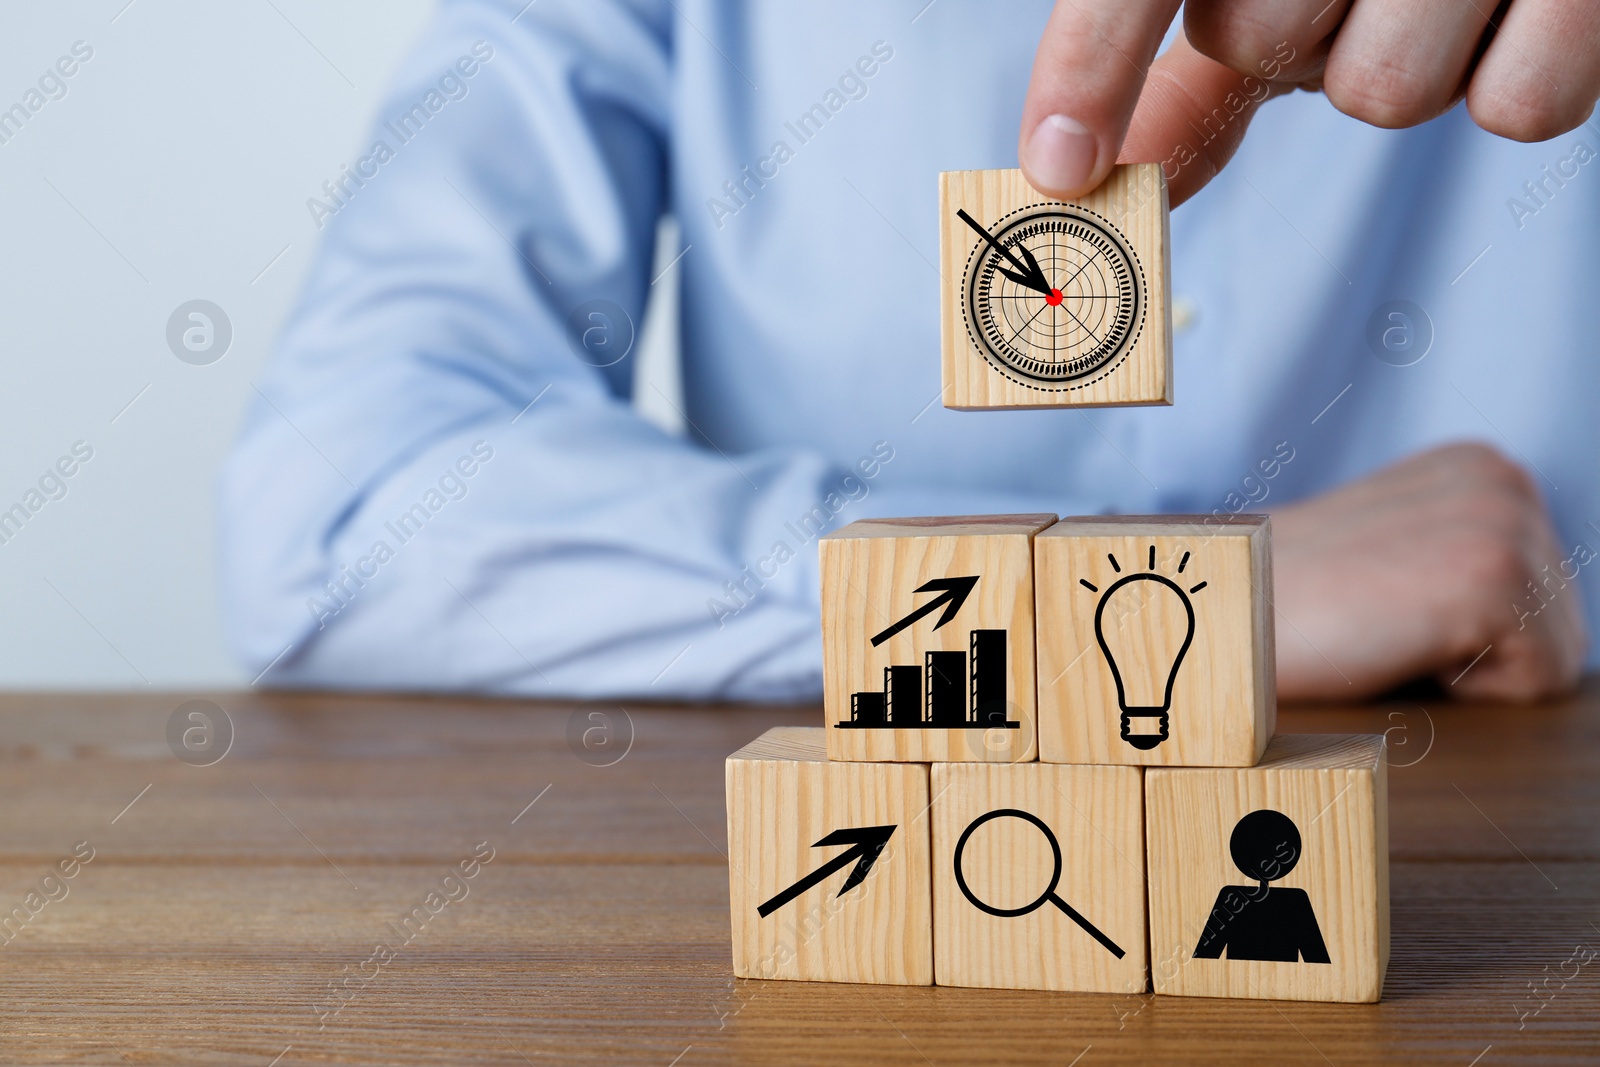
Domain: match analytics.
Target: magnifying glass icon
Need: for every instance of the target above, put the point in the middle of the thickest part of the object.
(1050, 890)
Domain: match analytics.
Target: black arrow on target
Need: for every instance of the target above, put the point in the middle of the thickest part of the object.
(1027, 274)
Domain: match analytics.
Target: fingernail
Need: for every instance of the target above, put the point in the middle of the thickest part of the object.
(1061, 154)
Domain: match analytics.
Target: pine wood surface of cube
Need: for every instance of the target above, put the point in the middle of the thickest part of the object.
(784, 797)
(1095, 816)
(1216, 929)
(888, 701)
(1149, 573)
(1125, 218)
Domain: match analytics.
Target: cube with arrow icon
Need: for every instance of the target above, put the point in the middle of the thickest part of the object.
(828, 864)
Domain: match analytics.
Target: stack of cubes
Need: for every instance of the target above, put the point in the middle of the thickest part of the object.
(1048, 762)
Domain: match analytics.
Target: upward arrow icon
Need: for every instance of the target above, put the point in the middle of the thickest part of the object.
(955, 591)
(865, 841)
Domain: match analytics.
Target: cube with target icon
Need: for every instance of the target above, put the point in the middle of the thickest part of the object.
(1050, 303)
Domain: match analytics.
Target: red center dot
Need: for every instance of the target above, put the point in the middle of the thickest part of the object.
(1054, 298)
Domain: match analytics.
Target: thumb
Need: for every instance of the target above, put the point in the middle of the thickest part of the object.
(1191, 117)
(1087, 74)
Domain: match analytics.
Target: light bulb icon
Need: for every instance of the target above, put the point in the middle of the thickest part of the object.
(1144, 623)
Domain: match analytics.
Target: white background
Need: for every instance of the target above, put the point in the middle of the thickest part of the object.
(177, 167)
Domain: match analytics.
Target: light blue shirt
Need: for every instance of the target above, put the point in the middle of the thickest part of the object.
(441, 488)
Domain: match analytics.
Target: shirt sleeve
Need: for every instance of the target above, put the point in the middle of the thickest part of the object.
(441, 482)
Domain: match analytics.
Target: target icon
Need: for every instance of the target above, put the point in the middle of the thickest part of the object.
(1054, 296)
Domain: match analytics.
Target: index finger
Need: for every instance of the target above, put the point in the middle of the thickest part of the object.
(1087, 74)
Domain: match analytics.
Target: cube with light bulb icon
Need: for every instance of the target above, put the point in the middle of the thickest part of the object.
(1154, 640)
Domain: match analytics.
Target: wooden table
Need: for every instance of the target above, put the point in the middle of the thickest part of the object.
(223, 903)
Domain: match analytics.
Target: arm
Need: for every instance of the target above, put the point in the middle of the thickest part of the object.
(1444, 565)
(433, 489)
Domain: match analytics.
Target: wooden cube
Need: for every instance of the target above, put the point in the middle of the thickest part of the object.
(1155, 640)
(1273, 881)
(1038, 877)
(1048, 303)
(827, 864)
(927, 638)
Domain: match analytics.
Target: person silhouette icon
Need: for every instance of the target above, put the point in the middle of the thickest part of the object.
(1258, 922)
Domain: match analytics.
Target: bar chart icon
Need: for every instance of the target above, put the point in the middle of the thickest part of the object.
(952, 690)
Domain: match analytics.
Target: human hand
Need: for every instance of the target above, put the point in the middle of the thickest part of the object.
(1528, 71)
(1424, 569)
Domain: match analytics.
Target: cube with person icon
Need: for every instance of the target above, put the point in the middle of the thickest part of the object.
(1272, 881)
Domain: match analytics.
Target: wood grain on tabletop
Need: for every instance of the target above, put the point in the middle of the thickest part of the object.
(221, 907)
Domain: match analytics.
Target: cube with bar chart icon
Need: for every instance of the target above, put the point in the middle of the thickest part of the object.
(928, 639)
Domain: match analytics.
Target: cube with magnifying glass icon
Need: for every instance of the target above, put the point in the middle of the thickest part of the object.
(1039, 877)
(1155, 640)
